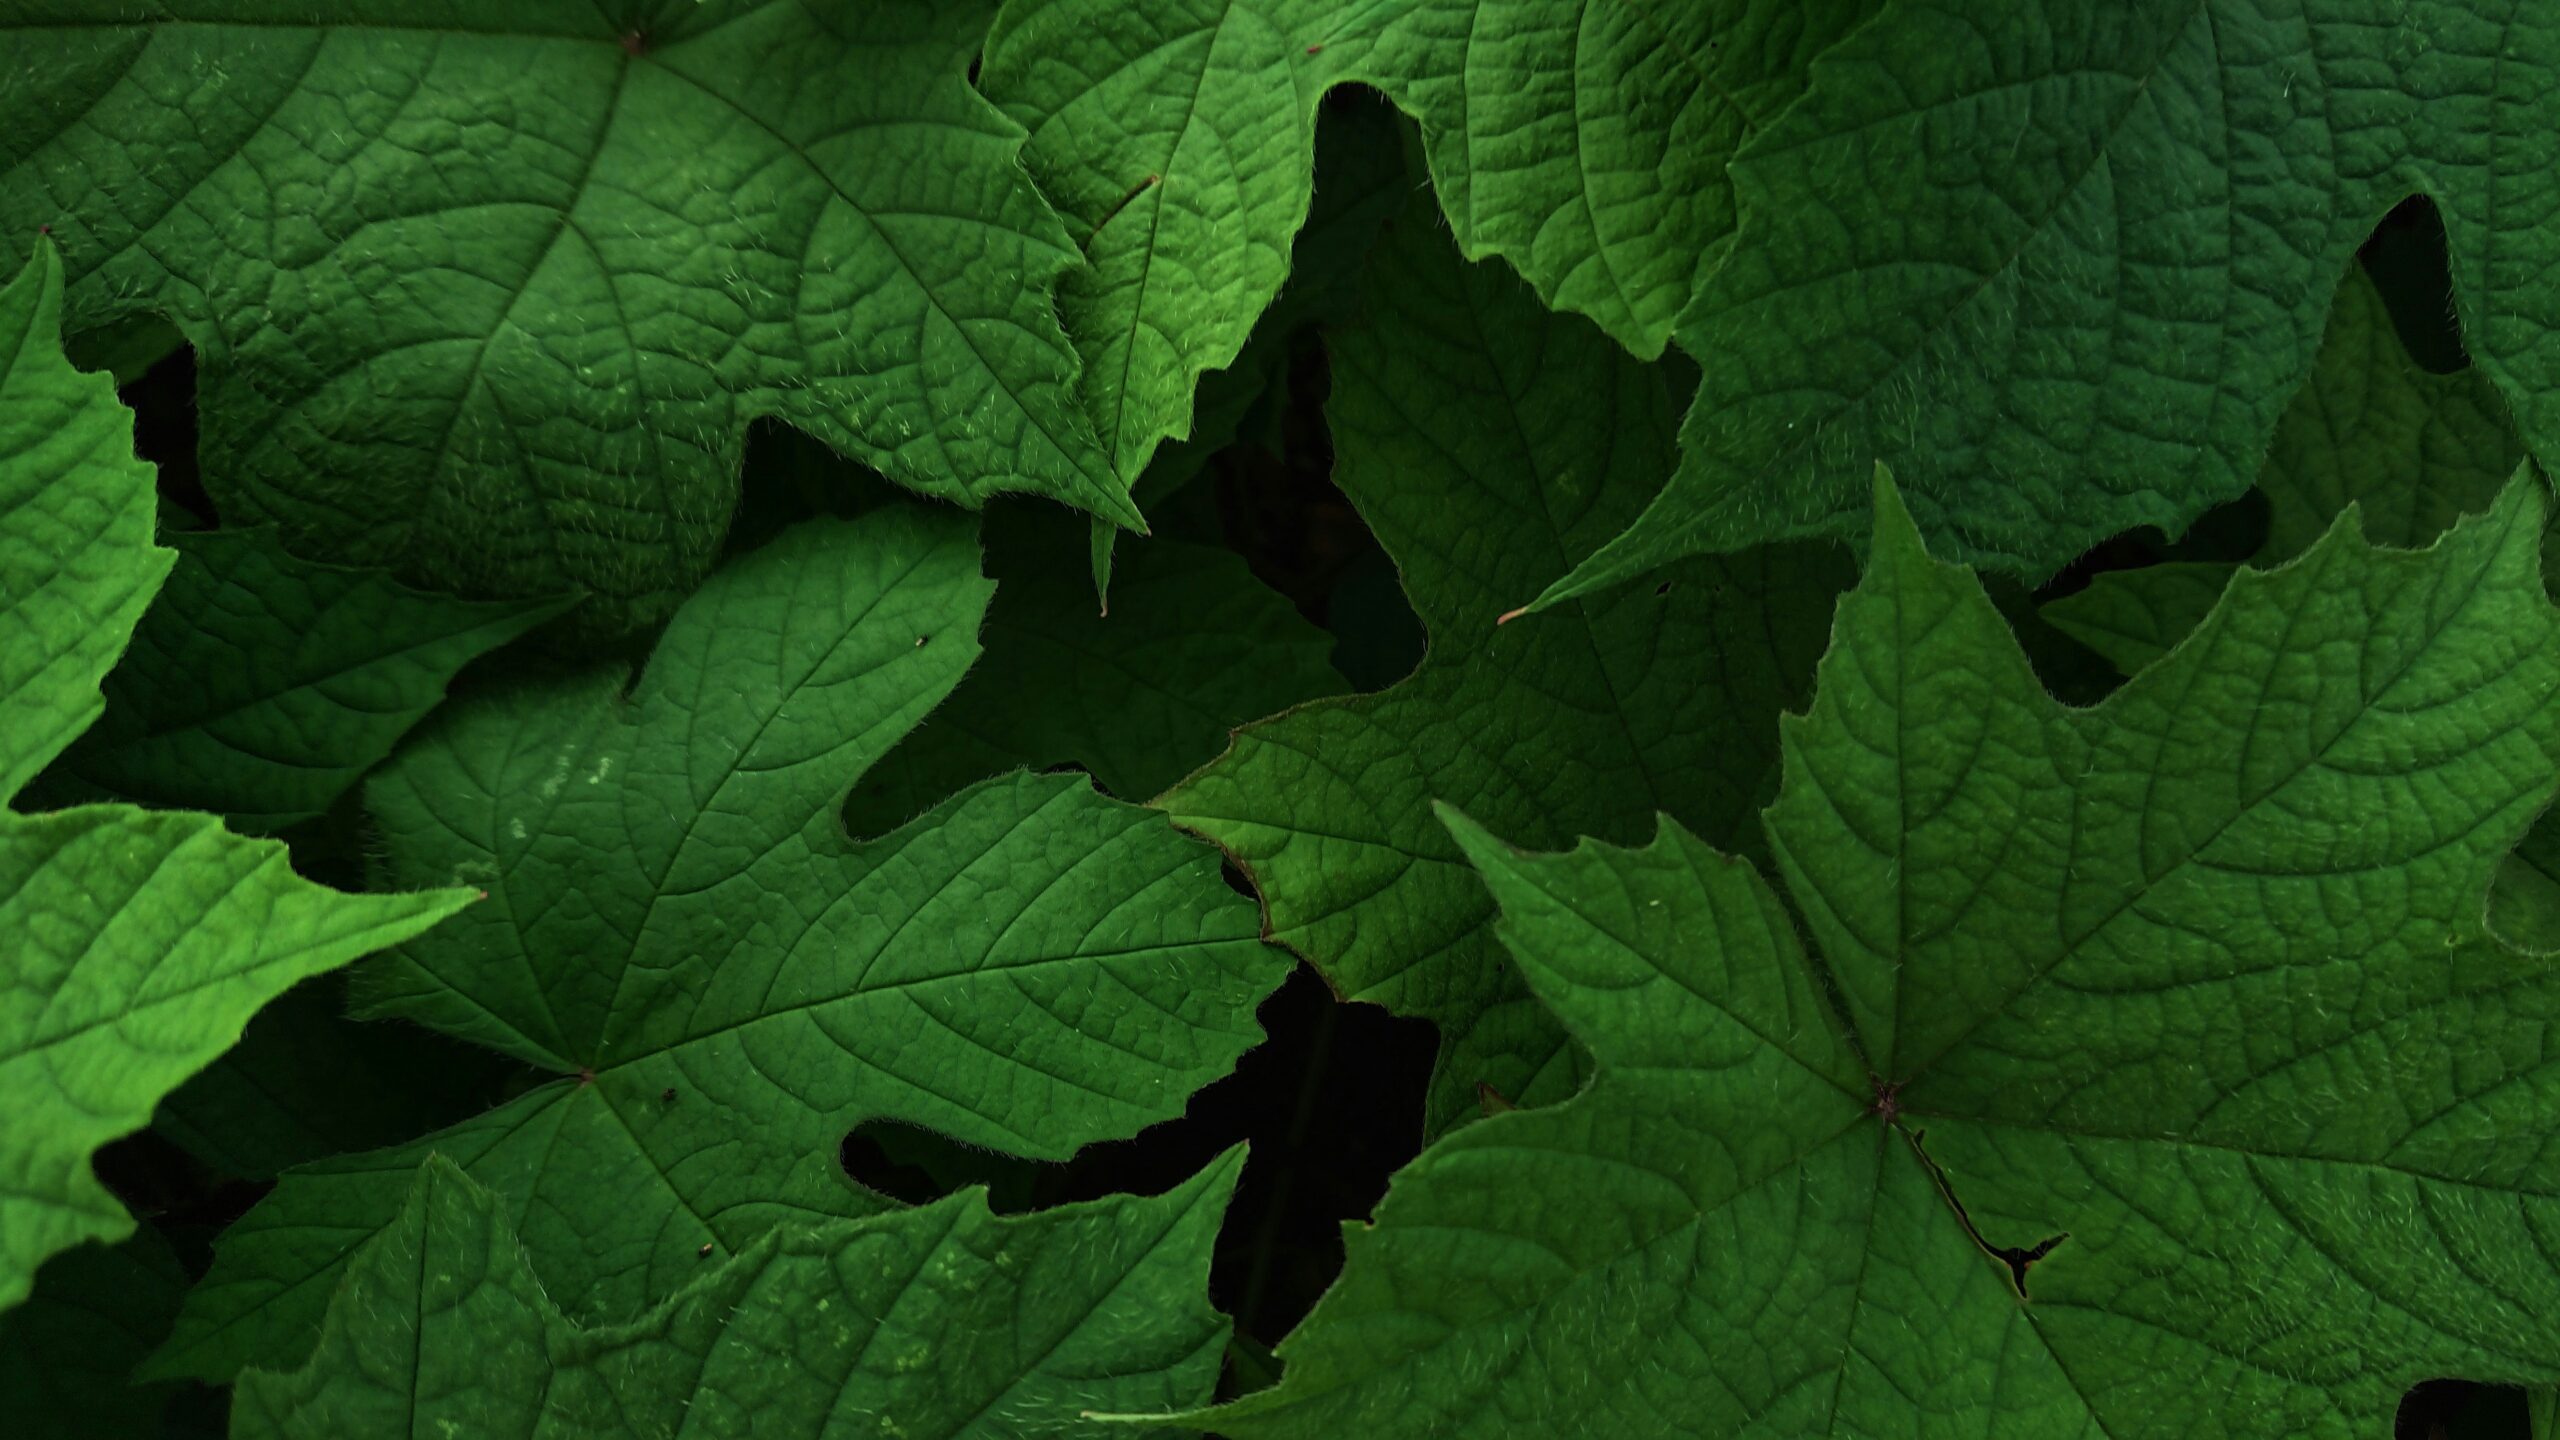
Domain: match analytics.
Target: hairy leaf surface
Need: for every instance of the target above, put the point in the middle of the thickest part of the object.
(944, 1321)
(2179, 1005)
(139, 943)
(1489, 442)
(488, 289)
(2062, 267)
(720, 980)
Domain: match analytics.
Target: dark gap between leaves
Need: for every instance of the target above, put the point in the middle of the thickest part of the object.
(1331, 1104)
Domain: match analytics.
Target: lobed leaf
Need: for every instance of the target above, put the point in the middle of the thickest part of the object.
(2152, 1073)
(1488, 443)
(720, 982)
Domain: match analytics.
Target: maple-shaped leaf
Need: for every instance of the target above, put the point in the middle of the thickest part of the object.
(489, 289)
(720, 980)
(261, 686)
(944, 1321)
(138, 943)
(1583, 141)
(1489, 442)
(2062, 267)
(2150, 1074)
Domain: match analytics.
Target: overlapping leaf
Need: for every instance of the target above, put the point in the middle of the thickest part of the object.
(2063, 266)
(724, 983)
(944, 1321)
(1583, 141)
(2176, 1012)
(261, 687)
(1490, 443)
(488, 289)
(138, 943)
(2413, 451)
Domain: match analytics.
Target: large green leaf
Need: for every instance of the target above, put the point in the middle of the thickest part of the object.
(1490, 443)
(2063, 266)
(261, 687)
(2175, 1012)
(138, 943)
(942, 1321)
(1584, 141)
(2412, 450)
(719, 980)
(488, 289)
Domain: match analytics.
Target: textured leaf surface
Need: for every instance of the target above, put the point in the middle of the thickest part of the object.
(2191, 985)
(722, 982)
(1193, 647)
(139, 943)
(262, 687)
(1583, 141)
(1489, 442)
(488, 289)
(2412, 450)
(2063, 267)
(940, 1321)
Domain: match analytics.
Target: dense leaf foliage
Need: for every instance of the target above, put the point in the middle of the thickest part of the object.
(2214, 1017)
(1890, 660)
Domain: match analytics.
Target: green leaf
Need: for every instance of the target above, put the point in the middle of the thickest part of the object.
(2063, 267)
(945, 1320)
(2176, 1012)
(261, 687)
(719, 980)
(1193, 647)
(1176, 137)
(488, 290)
(2413, 451)
(67, 1355)
(140, 943)
(1490, 443)
(1584, 141)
